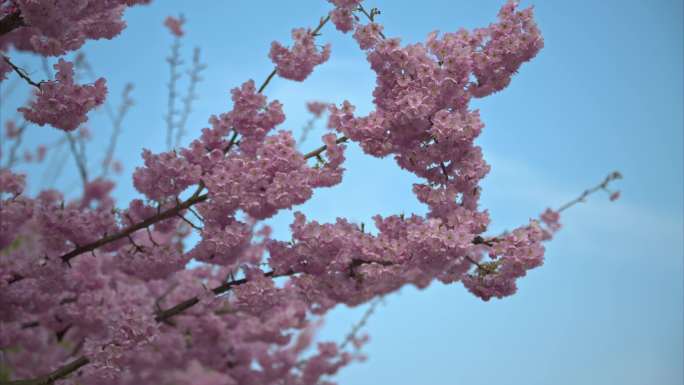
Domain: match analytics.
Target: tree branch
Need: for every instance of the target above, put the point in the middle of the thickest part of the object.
(22, 73)
(57, 374)
(11, 22)
(601, 186)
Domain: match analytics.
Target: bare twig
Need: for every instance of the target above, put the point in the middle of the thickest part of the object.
(21, 72)
(174, 61)
(78, 157)
(193, 73)
(126, 103)
(601, 186)
(362, 322)
(317, 152)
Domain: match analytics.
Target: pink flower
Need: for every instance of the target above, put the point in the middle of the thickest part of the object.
(175, 25)
(614, 196)
(297, 62)
(316, 108)
(117, 167)
(62, 103)
(40, 153)
(368, 35)
(342, 15)
(11, 129)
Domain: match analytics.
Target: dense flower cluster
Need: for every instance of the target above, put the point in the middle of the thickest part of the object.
(342, 16)
(56, 27)
(63, 103)
(165, 175)
(108, 292)
(297, 62)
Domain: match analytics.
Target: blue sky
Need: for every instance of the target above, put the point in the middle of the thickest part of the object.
(604, 94)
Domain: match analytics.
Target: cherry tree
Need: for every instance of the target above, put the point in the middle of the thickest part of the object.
(98, 292)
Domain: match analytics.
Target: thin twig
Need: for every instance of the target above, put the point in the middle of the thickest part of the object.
(57, 374)
(78, 158)
(197, 67)
(313, 33)
(21, 72)
(15, 146)
(362, 322)
(126, 103)
(174, 61)
(601, 186)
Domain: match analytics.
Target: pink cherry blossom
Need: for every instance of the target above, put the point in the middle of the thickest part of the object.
(186, 284)
(175, 25)
(62, 103)
(297, 62)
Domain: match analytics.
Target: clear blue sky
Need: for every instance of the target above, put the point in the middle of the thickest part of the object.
(604, 94)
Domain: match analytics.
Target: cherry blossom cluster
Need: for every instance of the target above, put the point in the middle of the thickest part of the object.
(298, 61)
(343, 14)
(53, 28)
(175, 25)
(317, 108)
(62, 103)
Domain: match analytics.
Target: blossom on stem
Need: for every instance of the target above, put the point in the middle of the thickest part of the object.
(63, 103)
(297, 62)
(175, 25)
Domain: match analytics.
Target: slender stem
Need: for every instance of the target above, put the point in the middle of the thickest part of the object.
(601, 186)
(78, 158)
(22, 73)
(126, 103)
(273, 72)
(322, 149)
(164, 315)
(268, 80)
(15, 146)
(174, 61)
(133, 228)
(362, 322)
(197, 67)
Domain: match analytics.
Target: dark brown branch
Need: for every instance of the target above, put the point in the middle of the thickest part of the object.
(194, 226)
(11, 22)
(322, 149)
(194, 199)
(164, 315)
(22, 73)
(58, 374)
(131, 229)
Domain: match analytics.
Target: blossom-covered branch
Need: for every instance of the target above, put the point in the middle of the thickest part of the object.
(104, 294)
